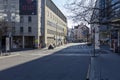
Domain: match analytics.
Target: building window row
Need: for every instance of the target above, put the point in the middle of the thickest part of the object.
(54, 25)
(53, 8)
(22, 29)
(54, 32)
(22, 19)
(52, 16)
(51, 31)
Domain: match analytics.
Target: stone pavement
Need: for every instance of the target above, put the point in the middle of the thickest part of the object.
(105, 67)
(17, 52)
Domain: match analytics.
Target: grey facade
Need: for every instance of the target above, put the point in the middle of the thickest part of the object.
(31, 31)
(109, 22)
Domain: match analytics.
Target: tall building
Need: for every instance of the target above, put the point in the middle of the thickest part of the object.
(115, 26)
(108, 21)
(35, 23)
(55, 24)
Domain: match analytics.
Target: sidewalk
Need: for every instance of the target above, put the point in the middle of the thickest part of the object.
(16, 52)
(105, 67)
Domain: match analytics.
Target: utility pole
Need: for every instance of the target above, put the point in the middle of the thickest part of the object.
(94, 43)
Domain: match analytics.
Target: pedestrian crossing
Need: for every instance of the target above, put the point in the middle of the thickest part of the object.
(77, 49)
(80, 47)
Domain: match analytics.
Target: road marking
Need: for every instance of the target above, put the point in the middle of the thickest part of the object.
(71, 54)
(88, 73)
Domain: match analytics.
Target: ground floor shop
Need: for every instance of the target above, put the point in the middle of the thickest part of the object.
(115, 40)
(55, 42)
(21, 42)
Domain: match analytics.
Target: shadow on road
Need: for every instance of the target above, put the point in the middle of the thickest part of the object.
(49, 68)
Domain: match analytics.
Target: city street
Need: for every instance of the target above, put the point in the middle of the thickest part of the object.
(68, 62)
(59, 40)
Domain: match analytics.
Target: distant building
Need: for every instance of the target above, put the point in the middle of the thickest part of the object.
(70, 36)
(81, 32)
(55, 24)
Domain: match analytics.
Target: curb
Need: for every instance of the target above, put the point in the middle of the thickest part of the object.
(7, 56)
(88, 73)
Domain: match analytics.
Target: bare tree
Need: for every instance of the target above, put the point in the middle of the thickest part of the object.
(80, 10)
(5, 28)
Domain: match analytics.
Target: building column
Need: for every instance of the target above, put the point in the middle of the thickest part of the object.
(23, 42)
(97, 43)
(37, 41)
(11, 42)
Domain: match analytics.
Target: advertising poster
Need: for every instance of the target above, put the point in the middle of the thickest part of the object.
(28, 7)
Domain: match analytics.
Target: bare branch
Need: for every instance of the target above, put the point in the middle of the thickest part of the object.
(4, 27)
(80, 10)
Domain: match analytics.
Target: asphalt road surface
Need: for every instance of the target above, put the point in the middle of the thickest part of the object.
(69, 62)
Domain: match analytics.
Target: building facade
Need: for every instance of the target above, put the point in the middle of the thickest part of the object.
(109, 22)
(81, 33)
(26, 26)
(55, 24)
(34, 23)
(115, 25)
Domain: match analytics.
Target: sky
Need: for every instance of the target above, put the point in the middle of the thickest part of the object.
(60, 5)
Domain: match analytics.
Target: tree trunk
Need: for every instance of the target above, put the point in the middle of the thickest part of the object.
(0, 46)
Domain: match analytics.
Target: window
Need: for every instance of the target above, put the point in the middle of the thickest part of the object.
(29, 19)
(5, 1)
(21, 29)
(13, 29)
(21, 19)
(29, 29)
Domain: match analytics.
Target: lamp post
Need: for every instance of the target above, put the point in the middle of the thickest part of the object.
(93, 39)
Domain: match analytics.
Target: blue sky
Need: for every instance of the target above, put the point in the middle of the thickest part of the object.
(60, 4)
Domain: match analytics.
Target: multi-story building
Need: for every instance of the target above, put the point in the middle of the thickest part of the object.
(81, 33)
(108, 21)
(115, 25)
(55, 24)
(24, 17)
(70, 36)
(35, 23)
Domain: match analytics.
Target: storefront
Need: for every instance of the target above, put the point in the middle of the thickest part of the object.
(115, 40)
